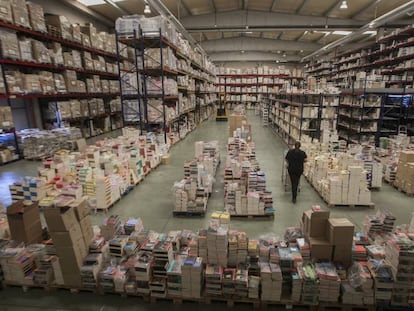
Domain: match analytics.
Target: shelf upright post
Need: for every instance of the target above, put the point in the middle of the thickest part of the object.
(118, 59)
(302, 106)
(3, 72)
(319, 120)
(162, 88)
(144, 78)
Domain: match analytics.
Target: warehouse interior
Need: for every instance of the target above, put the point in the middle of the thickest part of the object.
(130, 128)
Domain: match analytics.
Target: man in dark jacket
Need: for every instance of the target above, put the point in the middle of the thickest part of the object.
(295, 159)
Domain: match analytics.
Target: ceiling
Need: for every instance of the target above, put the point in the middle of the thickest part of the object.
(264, 30)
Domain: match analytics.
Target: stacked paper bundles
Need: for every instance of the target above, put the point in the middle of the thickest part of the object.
(227, 280)
(271, 280)
(213, 275)
(383, 281)
(241, 283)
(192, 279)
(310, 287)
(142, 270)
(296, 285)
(254, 284)
(400, 256)
(92, 264)
(174, 277)
(329, 282)
(217, 240)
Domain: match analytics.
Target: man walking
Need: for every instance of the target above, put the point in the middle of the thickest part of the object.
(295, 159)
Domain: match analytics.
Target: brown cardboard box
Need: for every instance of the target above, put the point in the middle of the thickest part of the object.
(235, 121)
(71, 258)
(320, 249)
(67, 238)
(342, 254)
(9, 44)
(406, 156)
(36, 17)
(24, 222)
(60, 219)
(61, 23)
(87, 230)
(81, 208)
(31, 83)
(340, 231)
(315, 223)
(20, 14)
(6, 11)
(40, 52)
(72, 280)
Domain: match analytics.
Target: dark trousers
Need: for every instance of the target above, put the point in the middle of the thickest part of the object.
(294, 181)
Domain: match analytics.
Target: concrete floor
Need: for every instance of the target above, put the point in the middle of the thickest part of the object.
(152, 201)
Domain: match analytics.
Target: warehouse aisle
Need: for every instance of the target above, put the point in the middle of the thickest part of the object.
(153, 202)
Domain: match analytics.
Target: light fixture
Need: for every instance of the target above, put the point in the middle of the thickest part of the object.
(147, 9)
(284, 54)
(344, 5)
(242, 51)
(248, 32)
(301, 51)
(277, 61)
(247, 26)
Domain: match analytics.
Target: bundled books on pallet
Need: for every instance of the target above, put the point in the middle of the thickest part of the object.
(244, 182)
(340, 178)
(103, 172)
(191, 193)
(404, 177)
(122, 256)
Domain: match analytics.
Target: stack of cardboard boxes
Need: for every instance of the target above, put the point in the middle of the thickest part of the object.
(329, 238)
(24, 222)
(71, 233)
(404, 178)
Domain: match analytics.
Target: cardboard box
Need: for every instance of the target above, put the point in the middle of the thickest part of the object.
(5, 11)
(315, 223)
(320, 249)
(67, 238)
(36, 17)
(71, 258)
(72, 280)
(20, 14)
(24, 222)
(340, 231)
(61, 24)
(342, 254)
(60, 219)
(81, 208)
(87, 230)
(165, 159)
(406, 156)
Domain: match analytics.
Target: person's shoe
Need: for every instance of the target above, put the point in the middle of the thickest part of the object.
(294, 200)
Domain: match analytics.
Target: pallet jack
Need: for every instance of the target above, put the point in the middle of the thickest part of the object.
(221, 108)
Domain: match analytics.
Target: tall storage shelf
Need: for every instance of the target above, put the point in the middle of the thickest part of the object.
(251, 88)
(368, 114)
(162, 89)
(73, 80)
(294, 115)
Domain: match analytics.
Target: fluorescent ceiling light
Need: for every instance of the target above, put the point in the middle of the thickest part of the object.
(342, 32)
(91, 2)
(147, 9)
(344, 5)
(249, 32)
(370, 32)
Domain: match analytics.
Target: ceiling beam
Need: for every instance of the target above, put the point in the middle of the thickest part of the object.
(332, 8)
(263, 20)
(369, 6)
(299, 10)
(213, 4)
(273, 4)
(245, 4)
(256, 44)
(117, 7)
(85, 10)
(185, 6)
(302, 35)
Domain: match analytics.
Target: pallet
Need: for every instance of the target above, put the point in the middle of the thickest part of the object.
(287, 305)
(189, 214)
(370, 205)
(410, 194)
(231, 302)
(253, 217)
(336, 306)
(26, 287)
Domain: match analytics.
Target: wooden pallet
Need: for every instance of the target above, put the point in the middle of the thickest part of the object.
(26, 287)
(370, 205)
(287, 305)
(335, 306)
(403, 191)
(253, 217)
(189, 214)
(231, 302)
